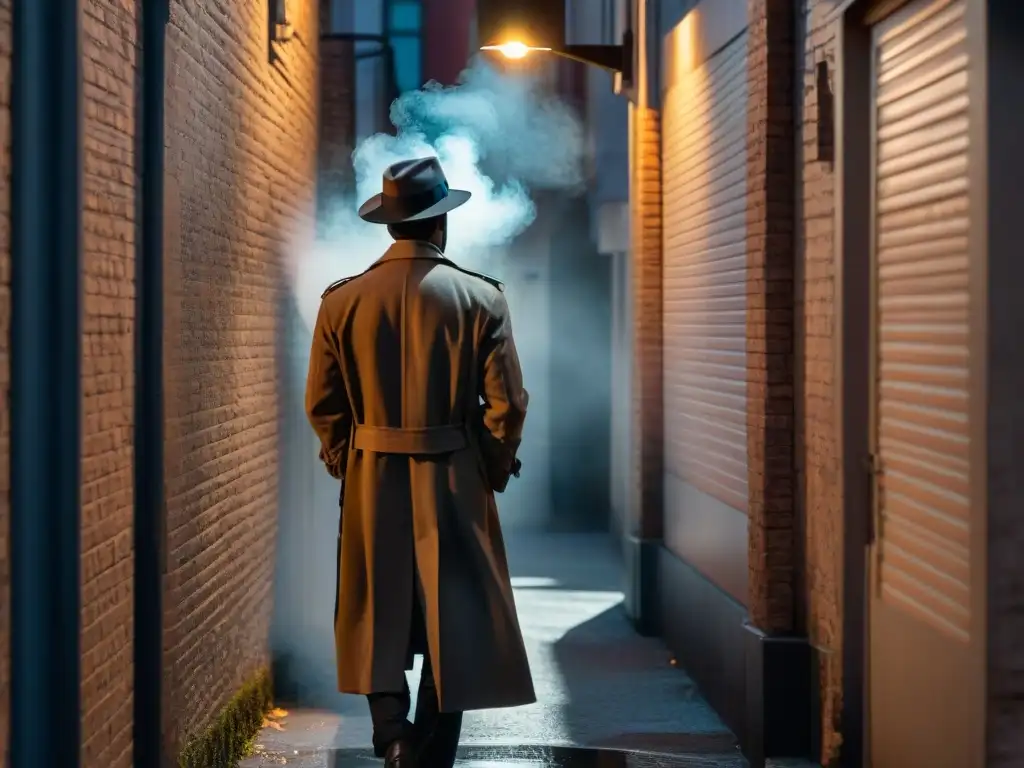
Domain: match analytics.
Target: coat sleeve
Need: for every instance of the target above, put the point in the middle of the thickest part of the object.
(504, 398)
(327, 403)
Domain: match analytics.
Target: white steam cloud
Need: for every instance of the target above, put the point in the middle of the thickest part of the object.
(499, 136)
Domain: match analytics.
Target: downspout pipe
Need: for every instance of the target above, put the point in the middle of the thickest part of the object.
(387, 50)
(149, 747)
(45, 386)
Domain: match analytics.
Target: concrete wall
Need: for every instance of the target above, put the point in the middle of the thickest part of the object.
(526, 269)
(107, 382)
(1005, 679)
(241, 135)
(446, 37)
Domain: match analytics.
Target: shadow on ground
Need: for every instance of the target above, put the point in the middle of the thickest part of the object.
(600, 686)
(617, 689)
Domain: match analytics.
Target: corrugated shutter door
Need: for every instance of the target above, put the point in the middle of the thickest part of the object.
(922, 298)
(704, 229)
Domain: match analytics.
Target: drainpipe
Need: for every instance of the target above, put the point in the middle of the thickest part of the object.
(45, 386)
(386, 50)
(150, 509)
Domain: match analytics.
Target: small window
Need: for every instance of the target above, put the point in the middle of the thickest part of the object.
(406, 16)
(408, 72)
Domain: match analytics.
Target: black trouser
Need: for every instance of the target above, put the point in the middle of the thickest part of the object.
(435, 734)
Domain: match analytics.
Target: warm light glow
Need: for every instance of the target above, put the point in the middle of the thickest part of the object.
(513, 49)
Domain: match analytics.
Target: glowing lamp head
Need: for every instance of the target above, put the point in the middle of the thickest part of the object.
(516, 28)
(513, 49)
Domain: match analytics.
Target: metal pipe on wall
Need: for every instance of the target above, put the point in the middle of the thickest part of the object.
(387, 51)
(45, 395)
(149, 750)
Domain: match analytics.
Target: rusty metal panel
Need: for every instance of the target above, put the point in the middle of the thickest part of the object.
(921, 302)
(704, 301)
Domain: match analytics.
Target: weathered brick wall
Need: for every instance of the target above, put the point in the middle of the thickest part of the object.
(107, 382)
(108, 222)
(5, 371)
(817, 449)
(770, 225)
(242, 138)
(645, 253)
(242, 133)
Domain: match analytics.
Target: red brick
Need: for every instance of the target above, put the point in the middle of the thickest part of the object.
(818, 487)
(770, 247)
(242, 137)
(645, 250)
(242, 141)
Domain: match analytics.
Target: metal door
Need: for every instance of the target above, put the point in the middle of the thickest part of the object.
(704, 204)
(923, 623)
(704, 293)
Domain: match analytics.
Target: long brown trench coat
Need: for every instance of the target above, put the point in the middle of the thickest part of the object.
(402, 357)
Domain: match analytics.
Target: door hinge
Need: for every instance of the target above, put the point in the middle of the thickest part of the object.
(873, 469)
(873, 464)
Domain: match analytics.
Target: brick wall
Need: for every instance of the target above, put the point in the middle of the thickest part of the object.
(107, 382)
(241, 159)
(108, 221)
(770, 224)
(645, 252)
(817, 450)
(242, 134)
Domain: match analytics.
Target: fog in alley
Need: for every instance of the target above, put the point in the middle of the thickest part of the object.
(497, 135)
(521, 151)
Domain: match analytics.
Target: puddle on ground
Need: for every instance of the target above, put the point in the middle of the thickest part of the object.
(515, 757)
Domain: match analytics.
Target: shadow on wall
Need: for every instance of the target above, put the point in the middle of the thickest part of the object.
(237, 209)
(581, 373)
(302, 629)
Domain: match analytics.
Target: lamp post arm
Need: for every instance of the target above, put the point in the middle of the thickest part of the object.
(615, 58)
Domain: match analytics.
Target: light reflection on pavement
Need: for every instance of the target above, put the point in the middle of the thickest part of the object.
(599, 684)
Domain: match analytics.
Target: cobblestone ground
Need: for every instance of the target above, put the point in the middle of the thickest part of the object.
(598, 683)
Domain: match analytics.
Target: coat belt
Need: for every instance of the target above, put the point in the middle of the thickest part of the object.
(414, 441)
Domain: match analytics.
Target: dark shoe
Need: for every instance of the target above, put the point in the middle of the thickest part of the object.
(442, 744)
(401, 754)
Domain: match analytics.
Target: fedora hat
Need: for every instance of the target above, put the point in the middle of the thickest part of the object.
(412, 190)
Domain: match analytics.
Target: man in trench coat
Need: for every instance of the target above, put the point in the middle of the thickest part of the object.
(416, 394)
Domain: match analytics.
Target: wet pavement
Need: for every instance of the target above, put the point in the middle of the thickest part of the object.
(606, 696)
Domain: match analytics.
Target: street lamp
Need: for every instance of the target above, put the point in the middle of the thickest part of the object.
(516, 28)
(513, 49)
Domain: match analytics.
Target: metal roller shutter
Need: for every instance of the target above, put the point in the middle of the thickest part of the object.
(704, 313)
(921, 313)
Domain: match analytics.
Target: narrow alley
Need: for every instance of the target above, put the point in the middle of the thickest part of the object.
(762, 262)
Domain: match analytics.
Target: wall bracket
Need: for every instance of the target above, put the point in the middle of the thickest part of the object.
(614, 58)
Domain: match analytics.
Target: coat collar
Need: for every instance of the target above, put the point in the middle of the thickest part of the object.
(412, 249)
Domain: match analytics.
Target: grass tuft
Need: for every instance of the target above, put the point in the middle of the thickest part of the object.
(234, 732)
